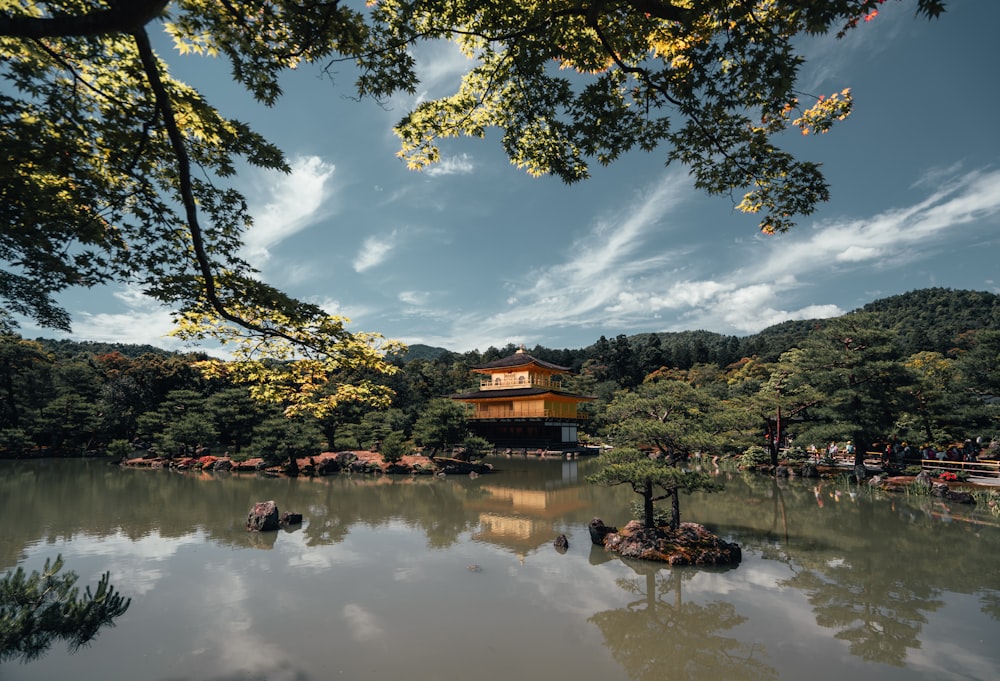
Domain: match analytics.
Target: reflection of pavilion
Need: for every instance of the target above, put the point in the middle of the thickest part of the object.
(520, 519)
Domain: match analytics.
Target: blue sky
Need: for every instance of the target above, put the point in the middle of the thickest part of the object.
(474, 252)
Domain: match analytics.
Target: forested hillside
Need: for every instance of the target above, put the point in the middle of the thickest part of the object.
(927, 364)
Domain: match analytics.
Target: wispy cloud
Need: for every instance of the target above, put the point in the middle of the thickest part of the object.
(620, 276)
(416, 298)
(452, 165)
(374, 251)
(290, 204)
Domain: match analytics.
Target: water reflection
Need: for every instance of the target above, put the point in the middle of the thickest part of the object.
(658, 633)
(877, 587)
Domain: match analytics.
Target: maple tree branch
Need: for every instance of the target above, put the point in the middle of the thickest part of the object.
(124, 16)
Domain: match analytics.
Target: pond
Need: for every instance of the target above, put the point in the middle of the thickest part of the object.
(426, 579)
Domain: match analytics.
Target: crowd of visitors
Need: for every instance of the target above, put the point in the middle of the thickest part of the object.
(896, 452)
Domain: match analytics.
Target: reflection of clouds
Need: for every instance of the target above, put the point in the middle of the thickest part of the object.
(133, 562)
(406, 573)
(954, 640)
(364, 625)
(312, 560)
(568, 583)
(754, 574)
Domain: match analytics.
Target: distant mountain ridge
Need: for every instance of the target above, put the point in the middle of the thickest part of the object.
(925, 319)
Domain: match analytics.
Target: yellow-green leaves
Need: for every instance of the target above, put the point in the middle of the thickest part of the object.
(296, 356)
(713, 82)
(821, 116)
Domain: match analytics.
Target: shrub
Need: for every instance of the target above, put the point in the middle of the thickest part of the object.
(395, 447)
(119, 449)
(753, 456)
(912, 470)
(797, 454)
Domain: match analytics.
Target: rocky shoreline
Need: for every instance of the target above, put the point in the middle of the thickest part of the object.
(327, 463)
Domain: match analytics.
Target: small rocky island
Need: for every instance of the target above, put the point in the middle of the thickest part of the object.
(689, 544)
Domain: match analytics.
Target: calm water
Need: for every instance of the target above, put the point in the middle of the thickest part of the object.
(376, 583)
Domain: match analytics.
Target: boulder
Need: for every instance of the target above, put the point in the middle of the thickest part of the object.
(959, 497)
(809, 470)
(328, 466)
(291, 519)
(346, 458)
(561, 543)
(263, 517)
(598, 531)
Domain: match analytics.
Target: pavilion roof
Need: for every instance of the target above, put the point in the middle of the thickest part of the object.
(519, 358)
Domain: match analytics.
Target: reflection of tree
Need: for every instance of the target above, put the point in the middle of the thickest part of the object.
(864, 595)
(873, 567)
(659, 632)
(991, 603)
(879, 615)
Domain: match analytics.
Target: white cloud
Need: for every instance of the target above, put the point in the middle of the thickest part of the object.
(417, 298)
(374, 251)
(623, 273)
(290, 204)
(452, 165)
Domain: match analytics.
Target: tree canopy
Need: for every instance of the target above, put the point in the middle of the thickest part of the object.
(114, 171)
(569, 83)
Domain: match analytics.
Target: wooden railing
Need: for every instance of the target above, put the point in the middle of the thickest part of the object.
(520, 382)
(504, 413)
(978, 468)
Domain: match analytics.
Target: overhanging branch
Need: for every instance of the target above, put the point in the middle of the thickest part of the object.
(124, 16)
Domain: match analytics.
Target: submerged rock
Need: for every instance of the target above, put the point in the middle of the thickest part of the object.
(690, 544)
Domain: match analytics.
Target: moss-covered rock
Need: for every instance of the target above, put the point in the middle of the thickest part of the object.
(690, 544)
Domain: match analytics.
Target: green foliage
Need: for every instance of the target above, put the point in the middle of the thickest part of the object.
(754, 456)
(119, 449)
(54, 389)
(671, 416)
(475, 447)
(647, 475)
(852, 363)
(441, 425)
(395, 447)
(41, 608)
(279, 439)
(713, 83)
(98, 184)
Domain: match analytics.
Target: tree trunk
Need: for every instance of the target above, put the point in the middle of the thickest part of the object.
(675, 508)
(649, 517)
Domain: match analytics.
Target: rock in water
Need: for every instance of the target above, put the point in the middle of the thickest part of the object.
(263, 517)
(690, 544)
(561, 543)
(598, 531)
